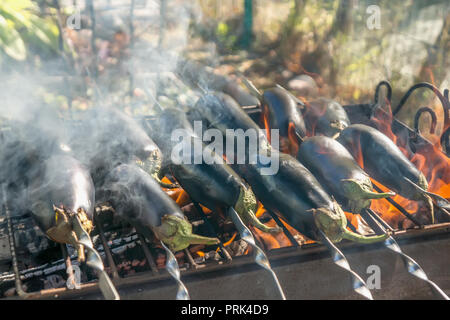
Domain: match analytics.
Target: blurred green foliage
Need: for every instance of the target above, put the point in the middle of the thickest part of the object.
(22, 30)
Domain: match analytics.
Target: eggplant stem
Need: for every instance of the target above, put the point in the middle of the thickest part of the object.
(350, 235)
(356, 190)
(245, 207)
(176, 232)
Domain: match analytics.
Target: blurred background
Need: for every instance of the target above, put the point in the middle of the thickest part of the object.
(70, 55)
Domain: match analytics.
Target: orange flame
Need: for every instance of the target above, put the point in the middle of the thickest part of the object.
(429, 159)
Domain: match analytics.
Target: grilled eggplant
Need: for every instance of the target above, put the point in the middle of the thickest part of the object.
(339, 173)
(326, 117)
(385, 162)
(220, 111)
(280, 111)
(294, 193)
(137, 198)
(212, 183)
(109, 137)
(60, 192)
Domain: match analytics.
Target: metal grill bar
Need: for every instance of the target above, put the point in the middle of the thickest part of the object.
(400, 208)
(12, 245)
(148, 254)
(285, 230)
(108, 253)
(223, 252)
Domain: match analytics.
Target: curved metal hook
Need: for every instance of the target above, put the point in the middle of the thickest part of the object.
(433, 119)
(443, 99)
(389, 91)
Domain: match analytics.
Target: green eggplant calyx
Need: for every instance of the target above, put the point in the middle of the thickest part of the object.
(333, 223)
(246, 208)
(360, 194)
(355, 190)
(350, 235)
(177, 233)
(152, 165)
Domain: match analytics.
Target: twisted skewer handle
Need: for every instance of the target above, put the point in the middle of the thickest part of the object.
(94, 261)
(359, 286)
(410, 264)
(174, 271)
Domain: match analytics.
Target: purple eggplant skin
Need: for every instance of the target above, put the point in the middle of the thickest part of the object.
(338, 172)
(385, 162)
(328, 116)
(282, 111)
(62, 189)
(213, 184)
(137, 198)
(241, 96)
(294, 193)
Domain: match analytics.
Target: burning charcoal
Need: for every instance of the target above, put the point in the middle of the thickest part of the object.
(212, 255)
(238, 247)
(200, 260)
(54, 281)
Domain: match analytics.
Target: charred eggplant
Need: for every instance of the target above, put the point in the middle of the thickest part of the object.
(326, 117)
(294, 193)
(338, 172)
(61, 192)
(212, 183)
(108, 137)
(385, 162)
(137, 198)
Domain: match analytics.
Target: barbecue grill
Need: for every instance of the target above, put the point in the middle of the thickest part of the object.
(301, 270)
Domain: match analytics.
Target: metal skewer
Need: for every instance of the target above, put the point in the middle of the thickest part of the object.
(339, 259)
(260, 257)
(94, 261)
(411, 266)
(174, 271)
